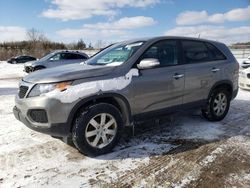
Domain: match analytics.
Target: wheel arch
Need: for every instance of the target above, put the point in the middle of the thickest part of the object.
(115, 99)
(37, 67)
(227, 84)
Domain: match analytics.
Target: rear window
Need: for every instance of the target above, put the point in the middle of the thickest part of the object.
(215, 53)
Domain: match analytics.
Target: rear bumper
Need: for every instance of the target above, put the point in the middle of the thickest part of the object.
(56, 129)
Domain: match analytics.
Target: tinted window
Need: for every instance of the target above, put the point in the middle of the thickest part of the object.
(32, 58)
(72, 56)
(215, 54)
(20, 58)
(79, 56)
(195, 51)
(165, 51)
(68, 56)
(28, 58)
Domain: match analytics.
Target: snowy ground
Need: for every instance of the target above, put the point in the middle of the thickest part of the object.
(183, 150)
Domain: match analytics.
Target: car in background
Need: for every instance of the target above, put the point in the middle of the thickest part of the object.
(54, 59)
(244, 74)
(21, 59)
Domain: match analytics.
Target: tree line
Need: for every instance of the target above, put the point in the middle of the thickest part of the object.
(37, 45)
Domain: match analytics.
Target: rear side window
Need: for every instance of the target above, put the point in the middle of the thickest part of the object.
(165, 51)
(195, 52)
(72, 56)
(215, 54)
(79, 56)
(68, 56)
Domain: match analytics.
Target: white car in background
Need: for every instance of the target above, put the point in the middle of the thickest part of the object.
(244, 77)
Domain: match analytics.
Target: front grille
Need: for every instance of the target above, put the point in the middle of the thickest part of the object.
(22, 91)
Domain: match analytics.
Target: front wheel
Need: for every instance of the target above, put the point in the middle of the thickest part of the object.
(218, 105)
(97, 130)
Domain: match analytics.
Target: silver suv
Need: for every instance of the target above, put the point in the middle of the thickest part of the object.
(54, 59)
(92, 101)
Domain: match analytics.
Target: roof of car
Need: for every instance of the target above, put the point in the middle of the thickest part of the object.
(68, 51)
(167, 37)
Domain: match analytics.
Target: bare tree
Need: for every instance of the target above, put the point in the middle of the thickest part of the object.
(35, 35)
(99, 44)
(37, 40)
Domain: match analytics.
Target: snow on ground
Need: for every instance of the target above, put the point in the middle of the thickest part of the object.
(183, 150)
(8, 71)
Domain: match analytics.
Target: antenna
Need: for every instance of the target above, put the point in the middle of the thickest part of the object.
(199, 35)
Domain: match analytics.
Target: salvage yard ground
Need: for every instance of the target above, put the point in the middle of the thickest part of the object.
(181, 150)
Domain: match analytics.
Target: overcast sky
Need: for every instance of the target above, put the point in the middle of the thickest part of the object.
(113, 20)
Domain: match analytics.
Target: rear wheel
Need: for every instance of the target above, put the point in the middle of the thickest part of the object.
(97, 130)
(218, 105)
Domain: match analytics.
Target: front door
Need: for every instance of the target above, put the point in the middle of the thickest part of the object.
(159, 87)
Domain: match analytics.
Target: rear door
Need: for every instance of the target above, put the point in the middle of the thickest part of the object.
(159, 87)
(201, 70)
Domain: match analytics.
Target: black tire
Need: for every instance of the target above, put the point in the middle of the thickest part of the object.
(82, 123)
(210, 113)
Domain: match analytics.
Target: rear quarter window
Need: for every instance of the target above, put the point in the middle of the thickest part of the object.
(79, 56)
(199, 51)
(215, 53)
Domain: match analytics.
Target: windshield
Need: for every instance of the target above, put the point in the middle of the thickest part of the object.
(115, 55)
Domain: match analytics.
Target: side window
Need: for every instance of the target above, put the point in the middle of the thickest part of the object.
(27, 58)
(165, 51)
(69, 56)
(195, 51)
(215, 53)
(32, 58)
(55, 57)
(79, 56)
(73, 56)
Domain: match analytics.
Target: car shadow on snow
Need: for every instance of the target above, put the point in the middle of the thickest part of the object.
(180, 132)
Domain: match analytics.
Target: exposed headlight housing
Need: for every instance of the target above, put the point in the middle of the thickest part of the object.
(40, 89)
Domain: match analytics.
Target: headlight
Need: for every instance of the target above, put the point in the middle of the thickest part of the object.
(40, 89)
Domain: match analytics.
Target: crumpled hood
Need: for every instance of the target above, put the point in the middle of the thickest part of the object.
(67, 72)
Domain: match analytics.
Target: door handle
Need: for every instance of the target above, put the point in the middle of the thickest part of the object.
(215, 70)
(177, 76)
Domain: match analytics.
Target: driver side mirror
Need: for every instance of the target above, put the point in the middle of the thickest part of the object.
(148, 63)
